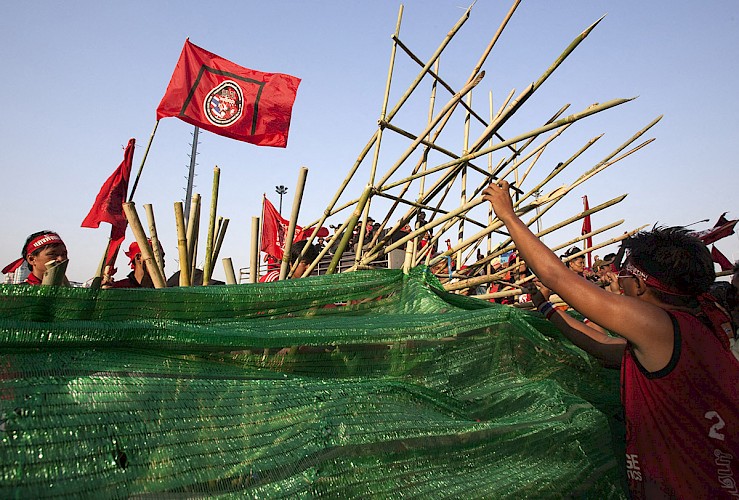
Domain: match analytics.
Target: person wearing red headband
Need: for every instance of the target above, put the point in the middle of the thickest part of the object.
(139, 276)
(40, 248)
(679, 378)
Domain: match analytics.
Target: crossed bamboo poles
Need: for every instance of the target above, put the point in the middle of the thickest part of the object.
(524, 151)
(459, 167)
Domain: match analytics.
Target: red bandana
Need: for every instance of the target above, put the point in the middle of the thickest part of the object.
(708, 303)
(33, 245)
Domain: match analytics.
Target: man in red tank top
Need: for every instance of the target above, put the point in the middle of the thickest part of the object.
(679, 378)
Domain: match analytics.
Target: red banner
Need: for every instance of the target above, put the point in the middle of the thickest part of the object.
(108, 206)
(274, 231)
(229, 100)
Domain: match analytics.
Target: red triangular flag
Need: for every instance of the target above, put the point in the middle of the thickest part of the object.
(721, 229)
(720, 259)
(217, 95)
(274, 230)
(108, 206)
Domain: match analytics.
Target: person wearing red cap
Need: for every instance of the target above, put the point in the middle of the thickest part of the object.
(679, 378)
(40, 248)
(139, 276)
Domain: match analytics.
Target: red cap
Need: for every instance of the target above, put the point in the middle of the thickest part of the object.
(134, 250)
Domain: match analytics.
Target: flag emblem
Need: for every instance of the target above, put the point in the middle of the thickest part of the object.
(224, 104)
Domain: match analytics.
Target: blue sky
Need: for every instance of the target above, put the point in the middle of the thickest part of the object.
(84, 77)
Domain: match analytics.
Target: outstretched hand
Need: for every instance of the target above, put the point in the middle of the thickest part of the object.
(499, 196)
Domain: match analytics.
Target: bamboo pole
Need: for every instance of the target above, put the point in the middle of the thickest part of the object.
(498, 223)
(526, 144)
(143, 160)
(507, 293)
(228, 269)
(502, 272)
(402, 241)
(424, 158)
(609, 160)
(331, 210)
(378, 141)
(479, 280)
(478, 66)
(208, 265)
(103, 271)
(406, 95)
(439, 116)
(179, 218)
(521, 99)
(300, 186)
(193, 228)
(347, 234)
(445, 112)
(129, 209)
(155, 244)
(219, 238)
(254, 253)
(591, 110)
(55, 273)
(463, 179)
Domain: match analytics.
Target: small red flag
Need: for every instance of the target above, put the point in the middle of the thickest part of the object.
(108, 206)
(586, 228)
(217, 95)
(721, 229)
(720, 259)
(274, 230)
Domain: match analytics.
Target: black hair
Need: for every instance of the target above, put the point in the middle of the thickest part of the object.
(571, 251)
(297, 247)
(35, 252)
(675, 258)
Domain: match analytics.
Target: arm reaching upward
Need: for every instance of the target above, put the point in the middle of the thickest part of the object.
(635, 316)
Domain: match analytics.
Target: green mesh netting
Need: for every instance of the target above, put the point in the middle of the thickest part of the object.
(367, 384)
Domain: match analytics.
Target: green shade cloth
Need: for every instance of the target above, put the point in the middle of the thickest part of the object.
(367, 384)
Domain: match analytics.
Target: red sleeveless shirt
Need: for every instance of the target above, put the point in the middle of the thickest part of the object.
(682, 422)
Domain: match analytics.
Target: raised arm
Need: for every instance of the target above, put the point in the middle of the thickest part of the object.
(640, 321)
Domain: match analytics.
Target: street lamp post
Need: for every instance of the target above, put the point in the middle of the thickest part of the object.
(281, 190)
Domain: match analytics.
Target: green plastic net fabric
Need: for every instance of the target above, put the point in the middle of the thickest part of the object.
(366, 384)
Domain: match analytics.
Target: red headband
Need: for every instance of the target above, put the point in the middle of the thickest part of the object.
(35, 244)
(718, 318)
(631, 268)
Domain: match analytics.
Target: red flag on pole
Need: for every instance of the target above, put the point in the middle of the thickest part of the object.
(108, 206)
(721, 229)
(229, 100)
(720, 259)
(586, 228)
(274, 230)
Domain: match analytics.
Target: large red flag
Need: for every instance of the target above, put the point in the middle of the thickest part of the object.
(217, 95)
(274, 230)
(721, 229)
(108, 206)
(586, 228)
